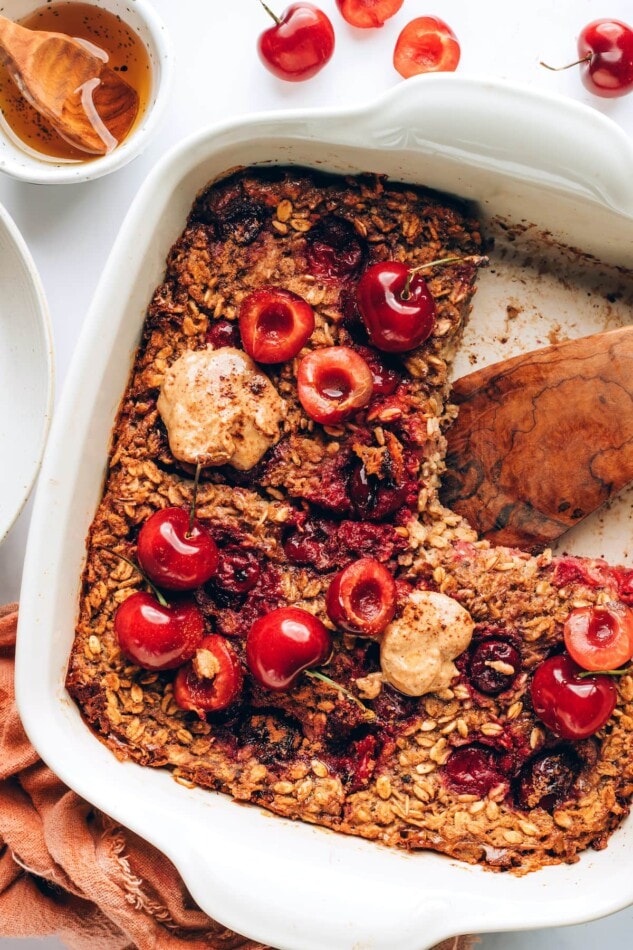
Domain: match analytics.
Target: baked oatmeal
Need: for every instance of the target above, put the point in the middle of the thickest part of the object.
(268, 398)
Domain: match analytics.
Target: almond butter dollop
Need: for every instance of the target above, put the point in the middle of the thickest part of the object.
(220, 409)
(418, 648)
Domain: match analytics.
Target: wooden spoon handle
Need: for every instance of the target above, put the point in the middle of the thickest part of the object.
(543, 439)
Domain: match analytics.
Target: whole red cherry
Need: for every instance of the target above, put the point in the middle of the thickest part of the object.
(174, 552)
(362, 598)
(600, 638)
(332, 383)
(605, 48)
(212, 680)
(396, 306)
(158, 636)
(571, 705)
(284, 643)
(426, 45)
(299, 44)
(275, 324)
(368, 13)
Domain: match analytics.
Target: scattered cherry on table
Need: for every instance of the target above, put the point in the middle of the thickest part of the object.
(275, 324)
(299, 44)
(605, 50)
(332, 383)
(572, 705)
(426, 45)
(284, 643)
(362, 598)
(212, 680)
(367, 14)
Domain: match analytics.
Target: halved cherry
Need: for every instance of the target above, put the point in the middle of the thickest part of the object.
(332, 383)
(546, 780)
(158, 636)
(212, 680)
(275, 324)
(362, 598)
(368, 13)
(396, 306)
(426, 45)
(494, 665)
(284, 643)
(571, 704)
(176, 551)
(600, 638)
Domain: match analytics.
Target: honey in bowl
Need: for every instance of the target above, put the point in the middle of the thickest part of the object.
(127, 57)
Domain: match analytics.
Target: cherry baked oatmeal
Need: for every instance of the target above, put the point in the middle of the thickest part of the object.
(275, 603)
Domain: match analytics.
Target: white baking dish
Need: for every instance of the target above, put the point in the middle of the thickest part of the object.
(520, 155)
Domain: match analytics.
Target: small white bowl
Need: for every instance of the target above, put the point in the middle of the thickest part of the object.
(141, 16)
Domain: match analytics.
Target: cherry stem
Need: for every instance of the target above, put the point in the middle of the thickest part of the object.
(623, 672)
(579, 62)
(157, 594)
(270, 13)
(472, 259)
(194, 498)
(314, 674)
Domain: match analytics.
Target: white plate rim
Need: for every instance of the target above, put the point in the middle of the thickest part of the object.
(44, 326)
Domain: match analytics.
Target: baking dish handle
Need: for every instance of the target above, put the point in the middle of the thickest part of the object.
(535, 135)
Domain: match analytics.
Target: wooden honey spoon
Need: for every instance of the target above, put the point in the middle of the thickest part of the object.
(70, 85)
(543, 439)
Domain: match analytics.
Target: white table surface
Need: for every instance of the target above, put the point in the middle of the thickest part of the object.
(70, 229)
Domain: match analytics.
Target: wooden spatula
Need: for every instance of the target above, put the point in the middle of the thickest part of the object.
(86, 102)
(542, 439)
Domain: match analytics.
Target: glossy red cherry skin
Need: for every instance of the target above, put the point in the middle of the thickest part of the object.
(223, 333)
(366, 14)
(362, 598)
(299, 45)
(426, 45)
(600, 638)
(607, 46)
(393, 324)
(283, 644)
(275, 324)
(157, 637)
(572, 706)
(333, 383)
(220, 680)
(171, 556)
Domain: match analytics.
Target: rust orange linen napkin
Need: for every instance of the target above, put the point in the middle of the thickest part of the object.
(68, 870)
